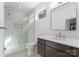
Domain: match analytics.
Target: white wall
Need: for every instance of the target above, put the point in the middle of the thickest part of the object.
(1, 30)
(42, 26)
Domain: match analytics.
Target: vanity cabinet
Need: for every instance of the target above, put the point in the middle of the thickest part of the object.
(61, 50)
(52, 52)
(41, 47)
(76, 52)
(52, 49)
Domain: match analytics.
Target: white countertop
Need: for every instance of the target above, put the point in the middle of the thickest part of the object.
(65, 41)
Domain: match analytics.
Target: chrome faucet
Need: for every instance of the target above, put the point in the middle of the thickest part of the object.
(60, 35)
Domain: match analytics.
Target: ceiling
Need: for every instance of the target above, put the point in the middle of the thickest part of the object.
(23, 7)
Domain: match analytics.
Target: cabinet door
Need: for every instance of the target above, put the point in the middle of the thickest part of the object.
(41, 51)
(52, 52)
(41, 47)
(61, 14)
(75, 52)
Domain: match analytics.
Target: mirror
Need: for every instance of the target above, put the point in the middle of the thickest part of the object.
(63, 18)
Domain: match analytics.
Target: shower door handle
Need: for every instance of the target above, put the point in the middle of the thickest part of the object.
(3, 28)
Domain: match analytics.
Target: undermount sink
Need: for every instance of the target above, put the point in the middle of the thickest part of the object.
(58, 38)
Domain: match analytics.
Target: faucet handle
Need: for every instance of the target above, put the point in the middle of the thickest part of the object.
(64, 36)
(56, 35)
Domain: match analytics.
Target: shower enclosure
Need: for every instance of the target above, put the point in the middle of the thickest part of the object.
(20, 33)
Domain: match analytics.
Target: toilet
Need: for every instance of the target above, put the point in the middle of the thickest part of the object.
(31, 47)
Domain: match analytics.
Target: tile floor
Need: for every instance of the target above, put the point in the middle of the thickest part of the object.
(22, 53)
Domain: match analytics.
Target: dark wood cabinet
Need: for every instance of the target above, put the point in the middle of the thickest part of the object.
(65, 50)
(76, 52)
(41, 47)
(52, 49)
(52, 52)
(56, 50)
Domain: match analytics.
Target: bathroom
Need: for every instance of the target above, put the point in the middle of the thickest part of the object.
(33, 29)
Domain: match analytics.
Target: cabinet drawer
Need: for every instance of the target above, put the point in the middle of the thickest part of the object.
(41, 45)
(60, 47)
(41, 51)
(52, 52)
(41, 40)
(76, 52)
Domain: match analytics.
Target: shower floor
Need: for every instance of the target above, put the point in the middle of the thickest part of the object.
(23, 53)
